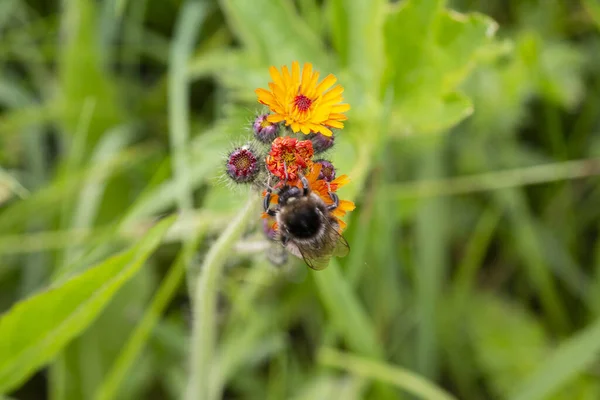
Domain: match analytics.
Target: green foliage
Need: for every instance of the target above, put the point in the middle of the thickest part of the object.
(39, 327)
(430, 51)
(471, 143)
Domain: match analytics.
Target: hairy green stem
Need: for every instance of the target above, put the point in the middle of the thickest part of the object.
(204, 335)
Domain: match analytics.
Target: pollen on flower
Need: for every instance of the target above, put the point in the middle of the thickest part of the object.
(242, 165)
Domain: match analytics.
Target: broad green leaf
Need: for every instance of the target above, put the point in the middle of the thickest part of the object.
(273, 32)
(430, 51)
(35, 330)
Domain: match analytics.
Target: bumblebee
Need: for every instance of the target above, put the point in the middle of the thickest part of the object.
(307, 229)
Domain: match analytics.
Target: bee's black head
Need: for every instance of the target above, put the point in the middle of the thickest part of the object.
(288, 192)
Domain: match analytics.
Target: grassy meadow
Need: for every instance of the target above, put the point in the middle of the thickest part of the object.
(132, 268)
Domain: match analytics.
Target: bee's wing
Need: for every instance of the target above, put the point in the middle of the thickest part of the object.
(315, 262)
(341, 248)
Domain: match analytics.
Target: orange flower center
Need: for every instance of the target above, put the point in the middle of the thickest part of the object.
(288, 157)
(302, 102)
(242, 162)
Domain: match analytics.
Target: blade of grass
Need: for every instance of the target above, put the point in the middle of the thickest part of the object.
(83, 214)
(431, 263)
(499, 179)
(346, 312)
(529, 246)
(400, 377)
(187, 27)
(51, 197)
(8, 185)
(572, 357)
(464, 280)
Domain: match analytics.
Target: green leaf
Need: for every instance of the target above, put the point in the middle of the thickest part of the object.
(272, 31)
(35, 330)
(430, 51)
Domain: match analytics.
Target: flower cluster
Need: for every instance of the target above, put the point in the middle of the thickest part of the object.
(301, 122)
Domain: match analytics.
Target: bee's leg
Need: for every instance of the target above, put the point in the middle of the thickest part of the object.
(267, 202)
(336, 201)
(285, 172)
(305, 189)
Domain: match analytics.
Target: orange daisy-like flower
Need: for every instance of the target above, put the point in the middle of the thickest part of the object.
(288, 156)
(302, 103)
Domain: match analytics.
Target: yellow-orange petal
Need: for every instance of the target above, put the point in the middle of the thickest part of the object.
(339, 117)
(340, 108)
(341, 180)
(342, 224)
(333, 94)
(347, 205)
(334, 124)
(338, 212)
(264, 96)
(306, 77)
(325, 84)
(275, 118)
(315, 170)
(295, 127)
(310, 90)
(277, 79)
(277, 91)
(325, 131)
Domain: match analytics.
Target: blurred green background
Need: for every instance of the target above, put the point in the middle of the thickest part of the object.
(472, 143)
